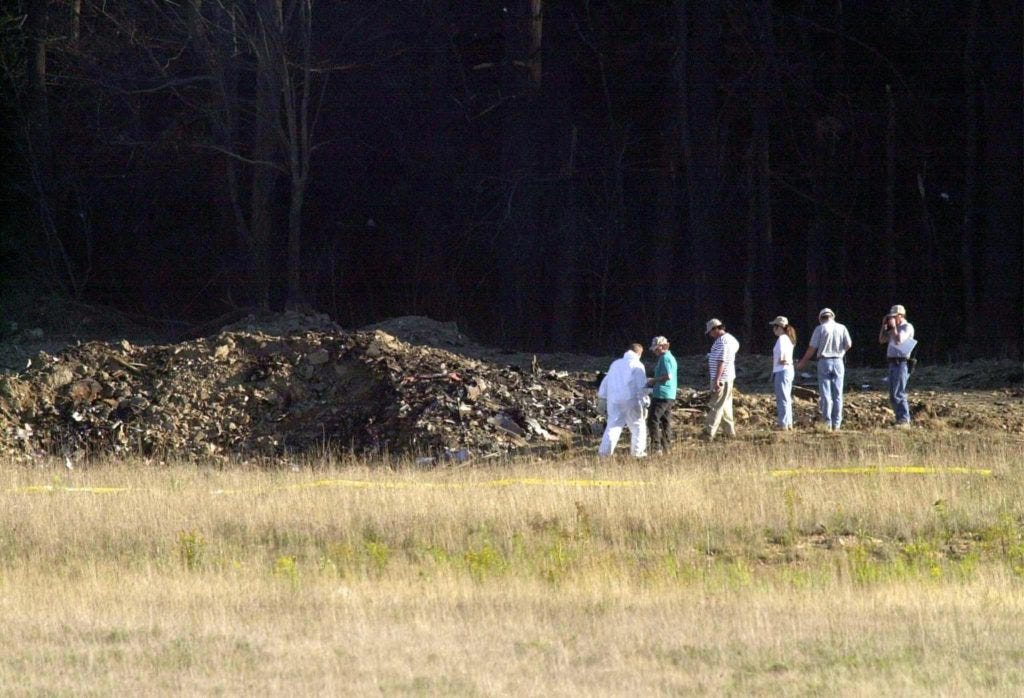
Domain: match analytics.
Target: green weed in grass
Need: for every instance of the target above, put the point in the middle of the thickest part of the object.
(191, 549)
(484, 561)
(378, 555)
(286, 568)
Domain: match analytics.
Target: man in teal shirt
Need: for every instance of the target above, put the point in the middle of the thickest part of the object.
(663, 396)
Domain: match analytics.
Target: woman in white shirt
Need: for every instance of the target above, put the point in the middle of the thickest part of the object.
(782, 370)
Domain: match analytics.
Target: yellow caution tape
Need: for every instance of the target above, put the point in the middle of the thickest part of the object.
(572, 483)
(60, 488)
(504, 482)
(530, 481)
(892, 469)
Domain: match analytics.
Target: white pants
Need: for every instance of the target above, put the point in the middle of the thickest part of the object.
(629, 414)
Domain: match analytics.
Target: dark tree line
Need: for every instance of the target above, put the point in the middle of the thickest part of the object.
(552, 174)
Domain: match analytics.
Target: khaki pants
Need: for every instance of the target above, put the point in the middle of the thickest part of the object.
(720, 412)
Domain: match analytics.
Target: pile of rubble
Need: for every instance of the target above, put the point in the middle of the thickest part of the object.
(295, 384)
(250, 393)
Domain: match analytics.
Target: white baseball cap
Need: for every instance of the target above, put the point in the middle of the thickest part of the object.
(826, 311)
(712, 324)
(658, 341)
(781, 321)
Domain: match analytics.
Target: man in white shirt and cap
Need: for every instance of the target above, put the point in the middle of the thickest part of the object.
(624, 388)
(829, 343)
(898, 334)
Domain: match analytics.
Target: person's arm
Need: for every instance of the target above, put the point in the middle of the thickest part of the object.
(887, 328)
(663, 376)
(812, 348)
(806, 357)
(720, 371)
(639, 382)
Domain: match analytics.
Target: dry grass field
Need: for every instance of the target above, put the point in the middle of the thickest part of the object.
(878, 564)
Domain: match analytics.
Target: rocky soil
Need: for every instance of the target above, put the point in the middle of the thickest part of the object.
(292, 384)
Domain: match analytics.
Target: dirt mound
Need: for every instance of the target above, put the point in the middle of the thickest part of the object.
(33, 323)
(980, 374)
(284, 324)
(422, 331)
(249, 393)
(294, 383)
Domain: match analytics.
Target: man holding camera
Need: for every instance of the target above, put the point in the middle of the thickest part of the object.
(898, 334)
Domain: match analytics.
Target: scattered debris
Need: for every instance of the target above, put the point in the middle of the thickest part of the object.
(249, 393)
(307, 386)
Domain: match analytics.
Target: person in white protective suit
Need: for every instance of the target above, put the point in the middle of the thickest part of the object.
(625, 390)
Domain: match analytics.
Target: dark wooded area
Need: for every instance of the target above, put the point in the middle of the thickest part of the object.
(551, 174)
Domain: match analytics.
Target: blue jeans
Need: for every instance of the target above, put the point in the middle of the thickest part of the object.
(783, 381)
(898, 375)
(830, 390)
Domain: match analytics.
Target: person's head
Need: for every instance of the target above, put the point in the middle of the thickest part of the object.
(637, 348)
(825, 315)
(780, 326)
(714, 328)
(659, 345)
(898, 312)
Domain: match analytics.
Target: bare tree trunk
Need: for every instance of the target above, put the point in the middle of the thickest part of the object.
(762, 232)
(536, 40)
(969, 232)
(663, 259)
(297, 139)
(696, 74)
(567, 274)
(820, 237)
(752, 262)
(817, 232)
(214, 32)
(889, 239)
(1001, 195)
(76, 21)
(520, 158)
(931, 259)
(265, 151)
(36, 26)
(39, 148)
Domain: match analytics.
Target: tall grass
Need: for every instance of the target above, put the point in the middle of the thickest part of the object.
(706, 571)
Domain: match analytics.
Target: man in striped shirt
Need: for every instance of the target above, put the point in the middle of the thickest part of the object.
(722, 370)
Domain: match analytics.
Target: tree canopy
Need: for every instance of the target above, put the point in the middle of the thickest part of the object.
(551, 175)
